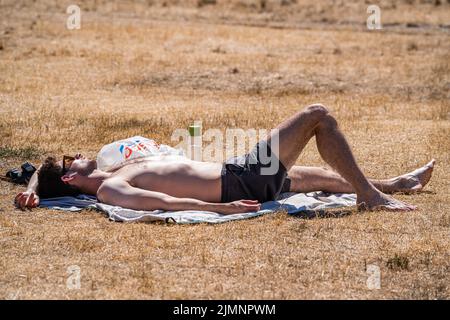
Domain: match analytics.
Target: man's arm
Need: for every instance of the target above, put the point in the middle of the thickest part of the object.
(33, 183)
(120, 193)
(29, 198)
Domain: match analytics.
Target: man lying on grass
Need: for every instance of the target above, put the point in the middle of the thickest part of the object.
(236, 186)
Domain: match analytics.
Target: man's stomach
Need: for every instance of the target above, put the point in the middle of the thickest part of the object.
(176, 176)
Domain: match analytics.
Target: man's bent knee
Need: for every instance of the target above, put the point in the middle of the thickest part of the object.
(317, 111)
(327, 122)
(321, 116)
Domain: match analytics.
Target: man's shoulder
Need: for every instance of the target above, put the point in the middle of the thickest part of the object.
(111, 186)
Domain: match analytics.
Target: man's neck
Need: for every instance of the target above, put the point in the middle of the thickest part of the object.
(94, 181)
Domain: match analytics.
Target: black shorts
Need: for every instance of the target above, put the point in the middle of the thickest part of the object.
(245, 177)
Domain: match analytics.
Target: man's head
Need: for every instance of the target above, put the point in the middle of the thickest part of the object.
(64, 178)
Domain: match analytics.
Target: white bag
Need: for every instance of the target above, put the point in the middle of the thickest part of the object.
(115, 154)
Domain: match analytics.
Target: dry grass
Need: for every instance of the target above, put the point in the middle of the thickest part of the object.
(148, 68)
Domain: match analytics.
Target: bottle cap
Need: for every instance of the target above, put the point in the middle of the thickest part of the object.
(195, 130)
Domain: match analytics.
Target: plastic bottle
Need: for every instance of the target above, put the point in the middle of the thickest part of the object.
(195, 135)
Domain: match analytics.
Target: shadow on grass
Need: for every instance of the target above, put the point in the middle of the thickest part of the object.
(25, 153)
(419, 192)
(320, 214)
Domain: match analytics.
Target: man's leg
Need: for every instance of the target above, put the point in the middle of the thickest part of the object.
(315, 120)
(307, 179)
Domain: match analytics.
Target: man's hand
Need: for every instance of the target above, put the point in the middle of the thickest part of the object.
(239, 206)
(27, 199)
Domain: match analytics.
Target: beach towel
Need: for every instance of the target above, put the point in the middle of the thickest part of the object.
(301, 204)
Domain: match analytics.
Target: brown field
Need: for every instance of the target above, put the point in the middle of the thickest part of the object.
(150, 67)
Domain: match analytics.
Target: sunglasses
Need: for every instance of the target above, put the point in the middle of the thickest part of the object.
(66, 163)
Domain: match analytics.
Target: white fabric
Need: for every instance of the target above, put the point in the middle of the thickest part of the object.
(292, 203)
(117, 153)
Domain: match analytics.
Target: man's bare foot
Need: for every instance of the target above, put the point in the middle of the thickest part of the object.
(381, 201)
(414, 181)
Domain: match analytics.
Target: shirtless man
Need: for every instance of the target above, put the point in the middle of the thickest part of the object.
(178, 183)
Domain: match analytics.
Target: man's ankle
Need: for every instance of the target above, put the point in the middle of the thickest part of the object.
(369, 192)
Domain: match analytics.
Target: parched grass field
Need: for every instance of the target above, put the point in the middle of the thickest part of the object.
(150, 67)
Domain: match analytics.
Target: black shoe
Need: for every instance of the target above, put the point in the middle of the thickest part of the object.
(21, 176)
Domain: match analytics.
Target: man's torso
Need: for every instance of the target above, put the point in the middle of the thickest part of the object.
(176, 176)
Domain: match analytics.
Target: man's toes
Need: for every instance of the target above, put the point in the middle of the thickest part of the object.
(408, 207)
(431, 163)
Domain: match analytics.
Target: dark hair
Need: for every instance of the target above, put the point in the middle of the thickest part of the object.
(50, 184)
